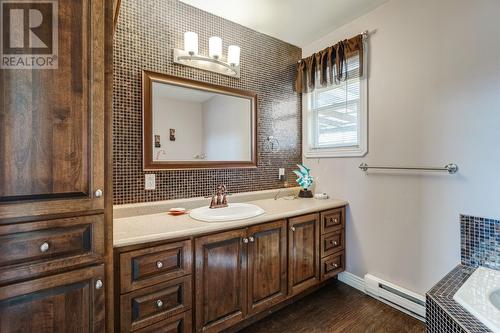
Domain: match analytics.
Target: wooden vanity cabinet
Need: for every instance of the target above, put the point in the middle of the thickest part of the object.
(304, 253)
(267, 266)
(221, 280)
(332, 242)
(154, 288)
(238, 275)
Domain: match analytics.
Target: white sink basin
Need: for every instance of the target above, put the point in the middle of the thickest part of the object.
(234, 211)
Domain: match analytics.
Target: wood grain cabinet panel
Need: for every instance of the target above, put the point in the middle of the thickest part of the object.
(70, 302)
(303, 251)
(332, 265)
(150, 305)
(220, 275)
(332, 242)
(52, 123)
(146, 267)
(176, 324)
(55, 144)
(267, 265)
(332, 220)
(31, 249)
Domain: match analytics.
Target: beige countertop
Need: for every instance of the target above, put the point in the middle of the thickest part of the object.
(137, 229)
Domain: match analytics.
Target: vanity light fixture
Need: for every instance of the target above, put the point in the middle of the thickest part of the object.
(191, 43)
(214, 63)
(215, 47)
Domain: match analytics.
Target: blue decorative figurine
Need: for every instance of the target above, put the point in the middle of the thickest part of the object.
(305, 180)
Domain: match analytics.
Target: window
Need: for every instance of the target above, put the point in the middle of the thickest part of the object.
(335, 117)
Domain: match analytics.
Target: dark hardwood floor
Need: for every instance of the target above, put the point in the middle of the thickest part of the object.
(337, 308)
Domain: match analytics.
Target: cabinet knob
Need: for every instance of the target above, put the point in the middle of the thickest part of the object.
(98, 193)
(159, 264)
(44, 247)
(159, 303)
(98, 284)
(292, 228)
(335, 220)
(334, 265)
(251, 239)
(245, 240)
(334, 243)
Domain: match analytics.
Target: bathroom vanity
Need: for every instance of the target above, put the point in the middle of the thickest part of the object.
(177, 274)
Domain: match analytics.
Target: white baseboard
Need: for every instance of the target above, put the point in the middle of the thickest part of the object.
(352, 280)
(359, 284)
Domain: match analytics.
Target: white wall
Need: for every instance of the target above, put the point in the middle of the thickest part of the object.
(227, 130)
(185, 117)
(434, 98)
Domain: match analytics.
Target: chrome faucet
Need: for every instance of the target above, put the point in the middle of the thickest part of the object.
(219, 198)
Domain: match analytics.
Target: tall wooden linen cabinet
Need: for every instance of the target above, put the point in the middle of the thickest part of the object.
(55, 180)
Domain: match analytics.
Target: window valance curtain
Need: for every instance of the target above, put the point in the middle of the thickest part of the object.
(331, 63)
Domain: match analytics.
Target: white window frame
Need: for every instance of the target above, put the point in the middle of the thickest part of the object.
(353, 151)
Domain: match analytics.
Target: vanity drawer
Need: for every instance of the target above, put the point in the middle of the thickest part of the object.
(332, 242)
(34, 248)
(151, 305)
(332, 265)
(146, 267)
(332, 220)
(177, 324)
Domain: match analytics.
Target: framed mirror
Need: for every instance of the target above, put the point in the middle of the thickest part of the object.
(194, 125)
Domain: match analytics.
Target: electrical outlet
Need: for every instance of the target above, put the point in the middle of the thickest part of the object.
(281, 174)
(150, 181)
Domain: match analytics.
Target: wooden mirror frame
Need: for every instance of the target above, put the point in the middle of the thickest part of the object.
(148, 78)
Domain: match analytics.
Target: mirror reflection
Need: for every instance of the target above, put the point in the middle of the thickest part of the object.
(195, 125)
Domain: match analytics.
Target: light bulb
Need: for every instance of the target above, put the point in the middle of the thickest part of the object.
(191, 42)
(215, 47)
(233, 55)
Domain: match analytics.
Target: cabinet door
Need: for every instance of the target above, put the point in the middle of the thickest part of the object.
(303, 251)
(70, 302)
(52, 120)
(267, 269)
(221, 269)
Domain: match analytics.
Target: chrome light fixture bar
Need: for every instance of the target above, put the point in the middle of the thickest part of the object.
(213, 63)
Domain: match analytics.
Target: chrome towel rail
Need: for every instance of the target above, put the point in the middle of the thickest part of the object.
(451, 168)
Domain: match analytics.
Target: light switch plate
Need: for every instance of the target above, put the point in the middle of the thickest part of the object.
(150, 181)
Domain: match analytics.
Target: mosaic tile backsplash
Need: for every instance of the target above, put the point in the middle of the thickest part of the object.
(147, 31)
(480, 241)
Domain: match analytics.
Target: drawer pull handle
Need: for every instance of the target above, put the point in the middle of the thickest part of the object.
(334, 220)
(245, 240)
(159, 303)
(251, 239)
(292, 228)
(334, 265)
(98, 193)
(159, 264)
(44, 247)
(334, 243)
(98, 284)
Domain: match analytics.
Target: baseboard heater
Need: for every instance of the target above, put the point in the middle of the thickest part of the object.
(400, 298)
